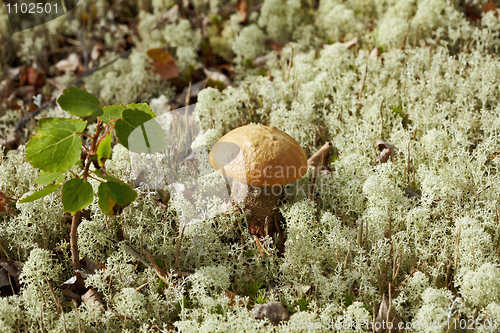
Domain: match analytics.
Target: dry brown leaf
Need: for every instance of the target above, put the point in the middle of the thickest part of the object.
(91, 296)
(11, 142)
(385, 316)
(375, 53)
(163, 63)
(274, 311)
(232, 301)
(261, 61)
(274, 45)
(348, 44)
(216, 75)
(70, 64)
(97, 51)
(472, 13)
(9, 277)
(34, 77)
(489, 6)
(321, 158)
(386, 151)
(242, 8)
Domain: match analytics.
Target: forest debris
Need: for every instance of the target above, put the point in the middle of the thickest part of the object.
(34, 77)
(232, 299)
(97, 51)
(195, 89)
(91, 296)
(163, 63)
(385, 314)
(489, 6)
(261, 61)
(375, 53)
(321, 159)
(11, 142)
(188, 192)
(386, 151)
(348, 44)
(242, 8)
(160, 105)
(412, 194)
(217, 75)
(274, 311)
(70, 64)
(5, 202)
(170, 15)
(9, 277)
(274, 45)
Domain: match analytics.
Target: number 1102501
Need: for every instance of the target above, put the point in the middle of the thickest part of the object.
(31, 8)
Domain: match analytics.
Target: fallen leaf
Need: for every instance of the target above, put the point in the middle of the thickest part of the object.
(489, 6)
(242, 8)
(217, 75)
(348, 44)
(386, 315)
(56, 82)
(375, 53)
(412, 194)
(274, 45)
(9, 276)
(274, 311)
(170, 15)
(70, 64)
(97, 51)
(232, 299)
(321, 158)
(261, 61)
(11, 142)
(34, 77)
(472, 13)
(163, 63)
(386, 151)
(91, 296)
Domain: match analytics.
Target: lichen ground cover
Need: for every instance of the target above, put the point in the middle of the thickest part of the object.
(415, 239)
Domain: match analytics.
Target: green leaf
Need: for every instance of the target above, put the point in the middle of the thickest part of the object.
(45, 178)
(143, 107)
(56, 147)
(131, 119)
(76, 195)
(79, 103)
(111, 193)
(102, 174)
(104, 149)
(139, 132)
(40, 194)
(112, 112)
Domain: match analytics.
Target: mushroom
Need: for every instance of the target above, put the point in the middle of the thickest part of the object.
(260, 160)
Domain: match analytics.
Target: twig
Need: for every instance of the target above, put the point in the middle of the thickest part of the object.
(161, 274)
(88, 72)
(178, 250)
(364, 78)
(381, 118)
(80, 37)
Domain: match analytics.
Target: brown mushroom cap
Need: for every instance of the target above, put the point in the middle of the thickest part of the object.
(259, 155)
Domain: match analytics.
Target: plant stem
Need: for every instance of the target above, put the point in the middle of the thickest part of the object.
(75, 253)
(77, 217)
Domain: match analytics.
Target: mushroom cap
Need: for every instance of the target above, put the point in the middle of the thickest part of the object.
(259, 155)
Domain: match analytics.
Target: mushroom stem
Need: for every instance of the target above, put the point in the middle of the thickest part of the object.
(261, 205)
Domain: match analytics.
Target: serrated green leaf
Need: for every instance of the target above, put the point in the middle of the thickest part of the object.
(106, 201)
(147, 138)
(45, 178)
(40, 194)
(76, 195)
(131, 119)
(56, 147)
(111, 193)
(111, 112)
(79, 103)
(104, 149)
(141, 106)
